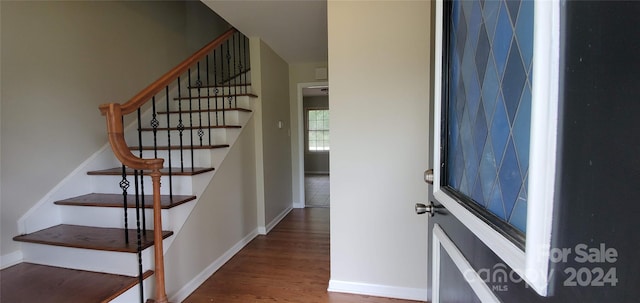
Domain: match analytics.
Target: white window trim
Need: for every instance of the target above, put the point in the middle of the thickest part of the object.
(533, 263)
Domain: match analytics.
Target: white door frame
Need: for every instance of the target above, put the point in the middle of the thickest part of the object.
(299, 145)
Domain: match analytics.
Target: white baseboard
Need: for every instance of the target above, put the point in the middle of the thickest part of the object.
(11, 259)
(192, 285)
(275, 221)
(405, 293)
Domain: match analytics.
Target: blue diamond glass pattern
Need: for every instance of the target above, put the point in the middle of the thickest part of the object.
(502, 40)
(480, 130)
(489, 102)
(513, 82)
(490, 14)
(510, 177)
(518, 216)
(514, 7)
(490, 89)
(488, 172)
(521, 130)
(482, 53)
(499, 130)
(524, 32)
(495, 204)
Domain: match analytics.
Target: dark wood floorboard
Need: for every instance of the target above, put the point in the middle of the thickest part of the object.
(29, 283)
(99, 238)
(115, 200)
(291, 264)
(175, 171)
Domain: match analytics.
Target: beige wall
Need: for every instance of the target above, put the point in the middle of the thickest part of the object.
(269, 80)
(60, 60)
(224, 215)
(299, 73)
(275, 141)
(379, 80)
(202, 25)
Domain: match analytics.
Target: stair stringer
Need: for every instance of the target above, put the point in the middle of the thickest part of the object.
(46, 214)
(177, 216)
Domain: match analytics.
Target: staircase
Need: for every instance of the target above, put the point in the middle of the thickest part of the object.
(105, 232)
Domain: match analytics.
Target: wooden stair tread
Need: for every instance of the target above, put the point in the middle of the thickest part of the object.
(27, 282)
(175, 171)
(88, 237)
(148, 129)
(240, 109)
(115, 200)
(217, 96)
(177, 147)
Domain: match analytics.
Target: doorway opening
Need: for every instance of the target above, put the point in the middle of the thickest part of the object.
(316, 145)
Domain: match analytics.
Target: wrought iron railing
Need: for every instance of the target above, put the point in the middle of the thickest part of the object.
(220, 70)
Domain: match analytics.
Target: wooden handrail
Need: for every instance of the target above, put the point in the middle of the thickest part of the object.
(143, 96)
(115, 131)
(114, 113)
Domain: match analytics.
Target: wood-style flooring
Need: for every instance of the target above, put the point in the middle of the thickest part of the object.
(290, 264)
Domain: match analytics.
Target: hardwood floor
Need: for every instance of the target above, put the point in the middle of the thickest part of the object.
(291, 264)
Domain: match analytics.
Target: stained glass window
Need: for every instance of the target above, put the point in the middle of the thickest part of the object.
(489, 105)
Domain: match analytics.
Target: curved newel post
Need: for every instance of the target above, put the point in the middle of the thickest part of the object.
(115, 131)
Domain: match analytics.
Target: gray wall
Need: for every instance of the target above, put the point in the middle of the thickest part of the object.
(60, 61)
(276, 146)
(315, 162)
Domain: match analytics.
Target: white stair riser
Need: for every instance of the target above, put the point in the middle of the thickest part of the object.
(201, 158)
(195, 119)
(111, 217)
(222, 101)
(222, 90)
(218, 136)
(133, 294)
(120, 263)
(182, 185)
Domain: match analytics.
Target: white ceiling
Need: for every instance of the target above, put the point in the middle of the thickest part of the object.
(294, 29)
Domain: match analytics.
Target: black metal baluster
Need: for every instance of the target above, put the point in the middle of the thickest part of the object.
(221, 83)
(154, 124)
(180, 127)
(141, 156)
(138, 231)
(191, 127)
(215, 89)
(124, 185)
(208, 101)
(236, 74)
(240, 65)
(199, 85)
(166, 88)
(228, 80)
(246, 64)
